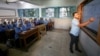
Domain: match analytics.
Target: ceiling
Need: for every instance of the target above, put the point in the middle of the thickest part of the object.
(50, 2)
(53, 2)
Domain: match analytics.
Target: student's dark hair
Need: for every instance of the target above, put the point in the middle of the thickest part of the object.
(74, 13)
(4, 23)
(41, 18)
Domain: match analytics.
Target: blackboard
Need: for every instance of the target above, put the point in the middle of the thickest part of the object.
(92, 10)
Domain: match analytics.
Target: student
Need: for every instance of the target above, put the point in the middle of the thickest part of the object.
(18, 30)
(46, 22)
(24, 28)
(1, 28)
(32, 23)
(28, 25)
(9, 25)
(2, 33)
(35, 21)
(5, 27)
(15, 24)
(75, 30)
(6, 21)
(41, 21)
(20, 21)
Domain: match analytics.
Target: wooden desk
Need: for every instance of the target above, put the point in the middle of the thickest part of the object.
(42, 29)
(27, 38)
(10, 34)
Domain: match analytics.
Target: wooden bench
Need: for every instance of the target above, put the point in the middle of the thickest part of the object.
(28, 37)
(42, 29)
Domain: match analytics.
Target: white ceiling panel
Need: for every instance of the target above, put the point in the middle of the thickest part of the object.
(50, 3)
(53, 2)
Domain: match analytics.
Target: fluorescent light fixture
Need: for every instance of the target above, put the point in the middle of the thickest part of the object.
(12, 0)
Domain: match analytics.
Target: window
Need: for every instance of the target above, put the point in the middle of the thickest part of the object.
(50, 12)
(28, 12)
(64, 12)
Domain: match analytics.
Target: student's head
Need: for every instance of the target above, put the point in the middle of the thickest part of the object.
(46, 20)
(41, 18)
(19, 25)
(4, 23)
(76, 15)
(8, 22)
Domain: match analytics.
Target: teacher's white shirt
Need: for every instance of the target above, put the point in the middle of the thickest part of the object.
(75, 29)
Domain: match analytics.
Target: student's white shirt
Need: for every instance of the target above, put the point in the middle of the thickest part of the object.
(75, 29)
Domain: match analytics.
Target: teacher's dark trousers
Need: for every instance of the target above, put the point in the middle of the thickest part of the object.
(74, 40)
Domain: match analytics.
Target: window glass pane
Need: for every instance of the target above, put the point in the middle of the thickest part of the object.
(63, 12)
(28, 12)
(50, 12)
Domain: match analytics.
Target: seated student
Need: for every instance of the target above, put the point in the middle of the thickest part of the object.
(5, 27)
(14, 23)
(28, 25)
(32, 23)
(9, 25)
(6, 21)
(20, 21)
(24, 28)
(18, 30)
(35, 21)
(1, 33)
(46, 22)
(1, 28)
(41, 21)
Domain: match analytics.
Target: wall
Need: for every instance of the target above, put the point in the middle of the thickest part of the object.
(9, 5)
(79, 1)
(17, 5)
(62, 23)
(90, 47)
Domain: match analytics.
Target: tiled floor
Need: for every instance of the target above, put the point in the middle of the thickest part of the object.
(55, 43)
